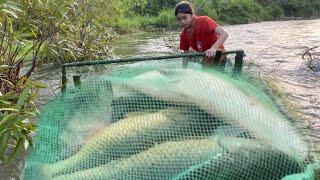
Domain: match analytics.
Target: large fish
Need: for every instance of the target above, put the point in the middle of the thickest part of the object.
(244, 159)
(216, 157)
(223, 98)
(129, 136)
(163, 161)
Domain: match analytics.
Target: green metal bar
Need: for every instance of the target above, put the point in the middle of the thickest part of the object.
(137, 59)
(63, 78)
(217, 58)
(76, 80)
(212, 62)
(238, 62)
(237, 66)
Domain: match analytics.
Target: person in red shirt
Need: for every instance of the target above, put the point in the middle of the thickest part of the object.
(201, 33)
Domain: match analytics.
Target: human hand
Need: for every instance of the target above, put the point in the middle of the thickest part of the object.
(211, 52)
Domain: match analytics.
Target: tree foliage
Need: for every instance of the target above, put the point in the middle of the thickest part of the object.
(223, 11)
(17, 92)
(79, 29)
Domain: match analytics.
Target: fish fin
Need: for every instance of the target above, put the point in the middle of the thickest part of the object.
(135, 114)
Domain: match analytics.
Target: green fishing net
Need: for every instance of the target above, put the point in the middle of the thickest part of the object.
(158, 120)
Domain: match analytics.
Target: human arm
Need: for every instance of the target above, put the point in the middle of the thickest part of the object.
(223, 35)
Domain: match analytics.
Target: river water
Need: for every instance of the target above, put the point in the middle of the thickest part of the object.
(273, 49)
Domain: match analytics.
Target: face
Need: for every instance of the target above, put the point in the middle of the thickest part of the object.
(185, 20)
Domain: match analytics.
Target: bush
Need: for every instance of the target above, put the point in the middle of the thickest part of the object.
(165, 19)
(274, 11)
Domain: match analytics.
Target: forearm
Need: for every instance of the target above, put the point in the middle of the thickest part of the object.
(223, 35)
(219, 42)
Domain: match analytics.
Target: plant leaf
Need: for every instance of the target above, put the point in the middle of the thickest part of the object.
(4, 139)
(5, 102)
(6, 120)
(16, 150)
(9, 109)
(40, 85)
(8, 96)
(10, 12)
(13, 120)
(4, 66)
(23, 96)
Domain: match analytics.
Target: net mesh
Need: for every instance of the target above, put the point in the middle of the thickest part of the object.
(157, 120)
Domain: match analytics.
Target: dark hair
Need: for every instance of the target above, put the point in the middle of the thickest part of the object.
(183, 7)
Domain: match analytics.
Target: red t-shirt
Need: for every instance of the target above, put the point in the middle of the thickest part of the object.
(203, 36)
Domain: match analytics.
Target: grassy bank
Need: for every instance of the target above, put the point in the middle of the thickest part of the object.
(223, 11)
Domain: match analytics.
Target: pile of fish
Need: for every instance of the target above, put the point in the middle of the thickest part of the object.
(186, 124)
